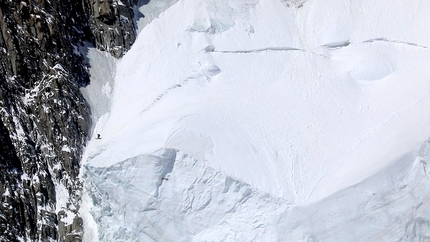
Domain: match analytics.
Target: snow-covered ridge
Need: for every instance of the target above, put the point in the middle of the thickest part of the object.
(294, 105)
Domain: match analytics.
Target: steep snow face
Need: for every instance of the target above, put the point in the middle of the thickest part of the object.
(169, 196)
(224, 108)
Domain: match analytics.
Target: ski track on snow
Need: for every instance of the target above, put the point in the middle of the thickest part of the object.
(377, 127)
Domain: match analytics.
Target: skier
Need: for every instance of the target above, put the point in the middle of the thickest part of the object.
(98, 136)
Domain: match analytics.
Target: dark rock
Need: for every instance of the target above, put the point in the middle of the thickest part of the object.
(111, 23)
(44, 119)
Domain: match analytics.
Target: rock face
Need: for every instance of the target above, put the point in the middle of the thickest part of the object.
(111, 23)
(294, 3)
(44, 119)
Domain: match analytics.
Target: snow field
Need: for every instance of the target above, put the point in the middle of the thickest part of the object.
(303, 109)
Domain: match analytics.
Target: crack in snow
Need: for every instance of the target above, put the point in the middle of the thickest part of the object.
(262, 50)
(395, 42)
(162, 95)
(269, 49)
(335, 45)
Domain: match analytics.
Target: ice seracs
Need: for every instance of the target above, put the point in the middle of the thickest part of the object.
(256, 111)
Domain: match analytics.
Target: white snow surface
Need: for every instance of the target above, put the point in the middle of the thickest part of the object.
(265, 120)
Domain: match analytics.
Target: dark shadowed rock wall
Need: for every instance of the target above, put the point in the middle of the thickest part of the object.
(111, 23)
(44, 119)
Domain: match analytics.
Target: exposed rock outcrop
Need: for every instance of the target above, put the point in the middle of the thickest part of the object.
(294, 3)
(111, 23)
(44, 119)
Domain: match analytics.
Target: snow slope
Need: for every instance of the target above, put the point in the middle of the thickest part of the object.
(253, 119)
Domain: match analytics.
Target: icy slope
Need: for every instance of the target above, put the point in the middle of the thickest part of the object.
(291, 105)
(196, 203)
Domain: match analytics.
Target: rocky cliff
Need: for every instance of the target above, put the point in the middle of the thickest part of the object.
(111, 24)
(44, 119)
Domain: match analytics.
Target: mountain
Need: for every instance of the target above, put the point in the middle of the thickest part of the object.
(215, 120)
(263, 120)
(44, 119)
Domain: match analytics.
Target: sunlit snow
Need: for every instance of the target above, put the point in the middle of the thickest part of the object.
(263, 120)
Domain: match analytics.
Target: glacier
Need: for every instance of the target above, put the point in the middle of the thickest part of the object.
(263, 120)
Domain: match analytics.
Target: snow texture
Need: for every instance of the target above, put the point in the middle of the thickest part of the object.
(263, 120)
